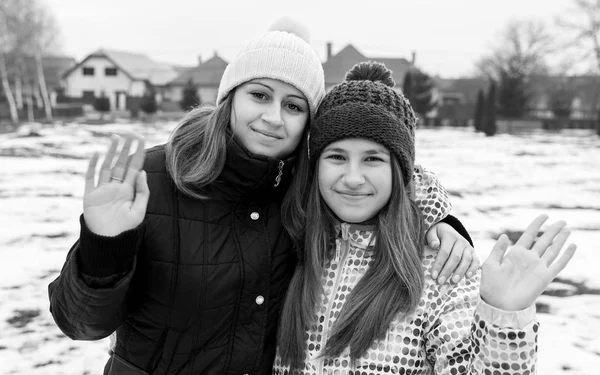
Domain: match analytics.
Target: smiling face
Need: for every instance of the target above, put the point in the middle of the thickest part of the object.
(355, 178)
(268, 117)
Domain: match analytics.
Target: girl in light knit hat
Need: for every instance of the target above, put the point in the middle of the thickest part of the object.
(182, 250)
(362, 299)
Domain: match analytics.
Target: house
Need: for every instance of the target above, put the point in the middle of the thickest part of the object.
(206, 77)
(337, 65)
(117, 75)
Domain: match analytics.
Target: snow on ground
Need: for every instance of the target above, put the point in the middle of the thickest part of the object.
(497, 185)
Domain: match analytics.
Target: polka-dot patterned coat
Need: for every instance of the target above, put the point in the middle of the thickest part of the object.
(452, 330)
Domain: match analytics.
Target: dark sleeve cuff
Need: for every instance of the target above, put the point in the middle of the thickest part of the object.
(457, 225)
(102, 256)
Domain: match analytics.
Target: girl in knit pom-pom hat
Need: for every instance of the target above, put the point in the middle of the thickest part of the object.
(362, 299)
(182, 250)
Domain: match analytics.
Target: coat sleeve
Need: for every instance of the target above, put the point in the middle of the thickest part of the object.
(88, 298)
(430, 196)
(471, 337)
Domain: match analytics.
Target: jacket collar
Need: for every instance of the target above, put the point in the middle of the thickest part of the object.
(247, 175)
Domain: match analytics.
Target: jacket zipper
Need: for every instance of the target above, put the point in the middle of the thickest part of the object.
(340, 258)
(278, 178)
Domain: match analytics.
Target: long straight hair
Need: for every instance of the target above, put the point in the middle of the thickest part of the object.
(392, 286)
(197, 148)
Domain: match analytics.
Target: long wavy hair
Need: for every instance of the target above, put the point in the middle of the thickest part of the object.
(197, 147)
(393, 284)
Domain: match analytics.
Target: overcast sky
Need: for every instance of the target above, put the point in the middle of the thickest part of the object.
(448, 36)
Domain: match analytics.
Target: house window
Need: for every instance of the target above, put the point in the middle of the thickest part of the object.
(88, 71)
(110, 71)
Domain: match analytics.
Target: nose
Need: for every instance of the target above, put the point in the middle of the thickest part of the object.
(353, 177)
(272, 114)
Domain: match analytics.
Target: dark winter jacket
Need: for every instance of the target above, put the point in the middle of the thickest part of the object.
(196, 288)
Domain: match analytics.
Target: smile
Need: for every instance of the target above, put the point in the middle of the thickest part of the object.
(353, 195)
(267, 133)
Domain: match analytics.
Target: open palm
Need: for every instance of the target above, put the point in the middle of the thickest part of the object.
(514, 280)
(118, 201)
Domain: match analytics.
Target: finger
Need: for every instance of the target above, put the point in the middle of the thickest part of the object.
(136, 163)
(465, 262)
(550, 255)
(547, 238)
(499, 249)
(432, 238)
(451, 263)
(530, 234)
(142, 193)
(107, 164)
(91, 173)
(120, 167)
(475, 264)
(440, 259)
(563, 260)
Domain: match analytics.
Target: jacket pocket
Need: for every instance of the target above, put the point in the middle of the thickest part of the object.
(119, 366)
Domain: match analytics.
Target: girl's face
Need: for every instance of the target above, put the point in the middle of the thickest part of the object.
(355, 178)
(269, 116)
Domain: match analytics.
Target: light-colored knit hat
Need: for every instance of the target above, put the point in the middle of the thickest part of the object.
(282, 53)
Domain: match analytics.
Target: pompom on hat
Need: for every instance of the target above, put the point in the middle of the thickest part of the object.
(282, 53)
(365, 105)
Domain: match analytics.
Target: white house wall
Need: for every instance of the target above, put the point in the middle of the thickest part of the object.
(76, 83)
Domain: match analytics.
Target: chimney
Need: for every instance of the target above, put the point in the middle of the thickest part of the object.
(329, 46)
(413, 59)
(199, 60)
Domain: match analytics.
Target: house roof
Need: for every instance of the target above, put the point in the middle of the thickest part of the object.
(206, 74)
(336, 67)
(135, 65)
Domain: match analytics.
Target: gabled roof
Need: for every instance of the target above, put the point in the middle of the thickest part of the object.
(135, 65)
(206, 74)
(336, 67)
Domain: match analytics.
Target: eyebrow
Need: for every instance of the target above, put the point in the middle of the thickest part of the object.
(270, 88)
(368, 152)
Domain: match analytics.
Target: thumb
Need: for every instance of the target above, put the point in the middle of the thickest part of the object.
(499, 249)
(142, 193)
(432, 238)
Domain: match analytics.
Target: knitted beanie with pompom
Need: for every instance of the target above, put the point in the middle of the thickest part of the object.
(282, 53)
(365, 105)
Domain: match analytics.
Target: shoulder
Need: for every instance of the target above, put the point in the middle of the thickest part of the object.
(155, 161)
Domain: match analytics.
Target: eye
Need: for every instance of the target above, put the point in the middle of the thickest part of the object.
(374, 159)
(295, 107)
(335, 157)
(259, 95)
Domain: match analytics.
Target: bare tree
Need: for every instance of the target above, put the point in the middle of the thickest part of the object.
(30, 31)
(521, 52)
(7, 43)
(524, 46)
(582, 24)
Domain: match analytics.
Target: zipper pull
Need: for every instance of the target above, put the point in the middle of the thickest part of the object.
(344, 243)
(345, 231)
(278, 178)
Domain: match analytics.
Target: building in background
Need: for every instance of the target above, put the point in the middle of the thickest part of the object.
(119, 76)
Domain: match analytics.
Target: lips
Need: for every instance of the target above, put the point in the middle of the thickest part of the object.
(353, 194)
(267, 133)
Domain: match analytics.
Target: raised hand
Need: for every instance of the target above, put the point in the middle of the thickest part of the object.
(118, 201)
(514, 280)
